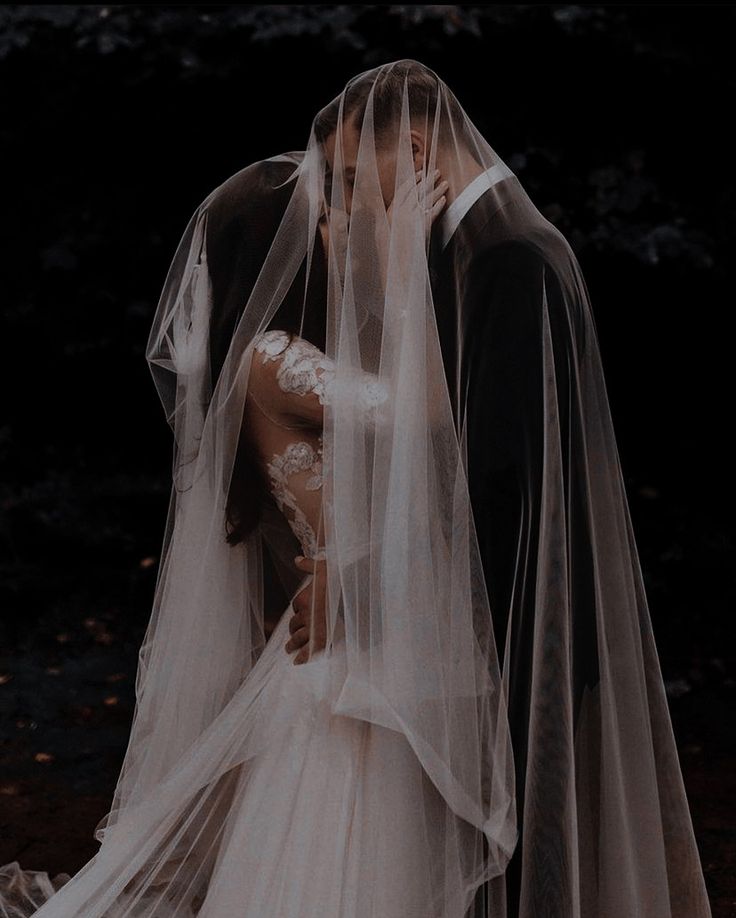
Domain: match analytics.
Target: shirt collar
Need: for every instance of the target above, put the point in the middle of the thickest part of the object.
(455, 211)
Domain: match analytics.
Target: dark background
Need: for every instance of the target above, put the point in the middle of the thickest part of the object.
(116, 122)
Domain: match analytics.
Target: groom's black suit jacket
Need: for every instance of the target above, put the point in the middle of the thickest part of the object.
(493, 286)
(490, 277)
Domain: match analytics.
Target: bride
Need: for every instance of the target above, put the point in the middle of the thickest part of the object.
(331, 327)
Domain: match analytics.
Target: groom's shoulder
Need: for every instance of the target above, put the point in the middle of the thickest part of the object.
(507, 226)
(525, 249)
(493, 258)
(517, 267)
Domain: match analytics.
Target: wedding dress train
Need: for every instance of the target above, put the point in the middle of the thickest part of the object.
(329, 820)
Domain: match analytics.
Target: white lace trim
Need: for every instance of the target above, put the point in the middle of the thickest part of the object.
(297, 457)
(299, 364)
(297, 372)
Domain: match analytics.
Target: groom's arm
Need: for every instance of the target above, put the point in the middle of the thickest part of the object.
(524, 365)
(502, 360)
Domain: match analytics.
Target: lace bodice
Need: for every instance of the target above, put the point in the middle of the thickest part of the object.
(295, 470)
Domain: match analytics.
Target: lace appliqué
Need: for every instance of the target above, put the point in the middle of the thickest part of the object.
(297, 372)
(299, 364)
(371, 394)
(297, 457)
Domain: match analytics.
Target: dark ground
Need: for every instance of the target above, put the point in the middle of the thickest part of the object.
(70, 702)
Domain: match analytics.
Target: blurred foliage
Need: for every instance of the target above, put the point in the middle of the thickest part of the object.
(116, 122)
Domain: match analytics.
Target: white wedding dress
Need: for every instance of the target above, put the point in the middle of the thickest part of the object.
(326, 822)
(333, 817)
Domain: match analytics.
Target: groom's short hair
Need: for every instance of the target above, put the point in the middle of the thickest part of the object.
(388, 88)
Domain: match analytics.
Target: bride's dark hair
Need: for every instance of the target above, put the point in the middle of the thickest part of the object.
(249, 487)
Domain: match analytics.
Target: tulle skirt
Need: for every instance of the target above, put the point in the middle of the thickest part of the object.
(282, 810)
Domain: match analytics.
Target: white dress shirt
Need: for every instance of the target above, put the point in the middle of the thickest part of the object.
(454, 212)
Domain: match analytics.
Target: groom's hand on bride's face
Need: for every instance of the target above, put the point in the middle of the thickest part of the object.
(309, 618)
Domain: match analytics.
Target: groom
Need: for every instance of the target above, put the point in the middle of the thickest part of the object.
(488, 281)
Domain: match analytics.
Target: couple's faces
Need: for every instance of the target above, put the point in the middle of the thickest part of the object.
(385, 163)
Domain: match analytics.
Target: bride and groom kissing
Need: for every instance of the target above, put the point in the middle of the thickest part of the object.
(490, 262)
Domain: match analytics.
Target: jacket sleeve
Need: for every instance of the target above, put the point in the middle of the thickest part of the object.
(523, 344)
(502, 366)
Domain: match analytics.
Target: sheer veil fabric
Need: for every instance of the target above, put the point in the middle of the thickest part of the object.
(485, 607)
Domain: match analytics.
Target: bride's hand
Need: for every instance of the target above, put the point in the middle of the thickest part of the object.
(432, 195)
(302, 625)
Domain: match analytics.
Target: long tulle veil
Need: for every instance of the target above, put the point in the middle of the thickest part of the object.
(539, 721)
